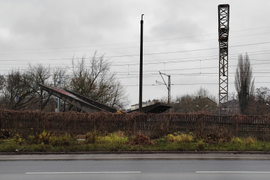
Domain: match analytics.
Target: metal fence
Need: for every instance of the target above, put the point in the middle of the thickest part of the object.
(155, 125)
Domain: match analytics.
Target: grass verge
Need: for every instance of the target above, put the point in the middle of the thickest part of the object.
(118, 141)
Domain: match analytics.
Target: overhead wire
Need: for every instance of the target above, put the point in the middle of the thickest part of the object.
(114, 44)
(146, 54)
(163, 60)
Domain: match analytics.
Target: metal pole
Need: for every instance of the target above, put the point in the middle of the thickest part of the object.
(59, 85)
(41, 93)
(169, 89)
(168, 86)
(141, 66)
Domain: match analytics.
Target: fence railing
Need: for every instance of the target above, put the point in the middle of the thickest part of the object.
(29, 123)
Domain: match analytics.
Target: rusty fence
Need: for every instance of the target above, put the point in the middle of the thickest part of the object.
(154, 125)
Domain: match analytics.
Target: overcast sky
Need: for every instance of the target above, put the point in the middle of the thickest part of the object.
(180, 39)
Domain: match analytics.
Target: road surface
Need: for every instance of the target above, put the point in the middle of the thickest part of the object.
(141, 167)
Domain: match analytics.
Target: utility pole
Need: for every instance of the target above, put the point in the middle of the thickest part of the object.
(41, 98)
(59, 85)
(223, 36)
(167, 85)
(141, 66)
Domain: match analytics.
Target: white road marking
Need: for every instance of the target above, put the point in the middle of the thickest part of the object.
(233, 172)
(93, 172)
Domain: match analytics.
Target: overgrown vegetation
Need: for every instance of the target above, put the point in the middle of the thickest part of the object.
(24, 131)
(119, 141)
(28, 123)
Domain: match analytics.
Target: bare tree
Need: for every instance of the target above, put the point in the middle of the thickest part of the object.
(65, 78)
(20, 89)
(202, 100)
(244, 82)
(97, 82)
(2, 81)
(39, 74)
(15, 89)
(259, 104)
(184, 104)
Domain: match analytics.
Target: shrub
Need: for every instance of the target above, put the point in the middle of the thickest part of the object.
(250, 140)
(31, 139)
(170, 138)
(236, 140)
(140, 139)
(200, 145)
(186, 138)
(65, 140)
(10, 146)
(18, 139)
(44, 137)
(117, 137)
(179, 138)
(4, 134)
(91, 137)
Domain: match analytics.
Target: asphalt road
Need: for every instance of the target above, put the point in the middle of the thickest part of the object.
(153, 166)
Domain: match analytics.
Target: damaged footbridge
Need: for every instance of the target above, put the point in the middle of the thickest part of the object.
(81, 102)
(91, 106)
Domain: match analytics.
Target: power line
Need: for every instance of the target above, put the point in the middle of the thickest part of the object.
(187, 84)
(147, 54)
(123, 43)
(185, 69)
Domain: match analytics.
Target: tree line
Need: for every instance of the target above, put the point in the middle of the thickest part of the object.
(248, 100)
(92, 78)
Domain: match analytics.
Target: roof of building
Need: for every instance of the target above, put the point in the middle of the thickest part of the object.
(154, 108)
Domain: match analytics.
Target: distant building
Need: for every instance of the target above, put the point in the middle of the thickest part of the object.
(146, 103)
(233, 107)
(153, 106)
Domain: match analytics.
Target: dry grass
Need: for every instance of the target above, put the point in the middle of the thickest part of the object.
(179, 138)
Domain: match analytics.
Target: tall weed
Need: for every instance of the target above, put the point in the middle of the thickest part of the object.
(250, 140)
(117, 137)
(62, 140)
(179, 138)
(236, 140)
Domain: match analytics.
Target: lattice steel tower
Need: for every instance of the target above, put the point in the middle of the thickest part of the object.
(223, 36)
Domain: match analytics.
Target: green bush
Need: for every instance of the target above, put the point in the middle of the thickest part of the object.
(116, 137)
(9, 146)
(44, 137)
(200, 145)
(250, 140)
(91, 137)
(179, 138)
(65, 140)
(31, 139)
(236, 140)
(18, 139)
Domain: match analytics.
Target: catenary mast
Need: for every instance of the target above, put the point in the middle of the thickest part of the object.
(223, 37)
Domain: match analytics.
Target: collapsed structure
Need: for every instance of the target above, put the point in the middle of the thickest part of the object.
(91, 106)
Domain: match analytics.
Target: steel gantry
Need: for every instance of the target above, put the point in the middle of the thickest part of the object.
(223, 36)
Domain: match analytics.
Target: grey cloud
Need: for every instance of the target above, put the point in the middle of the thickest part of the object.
(176, 28)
